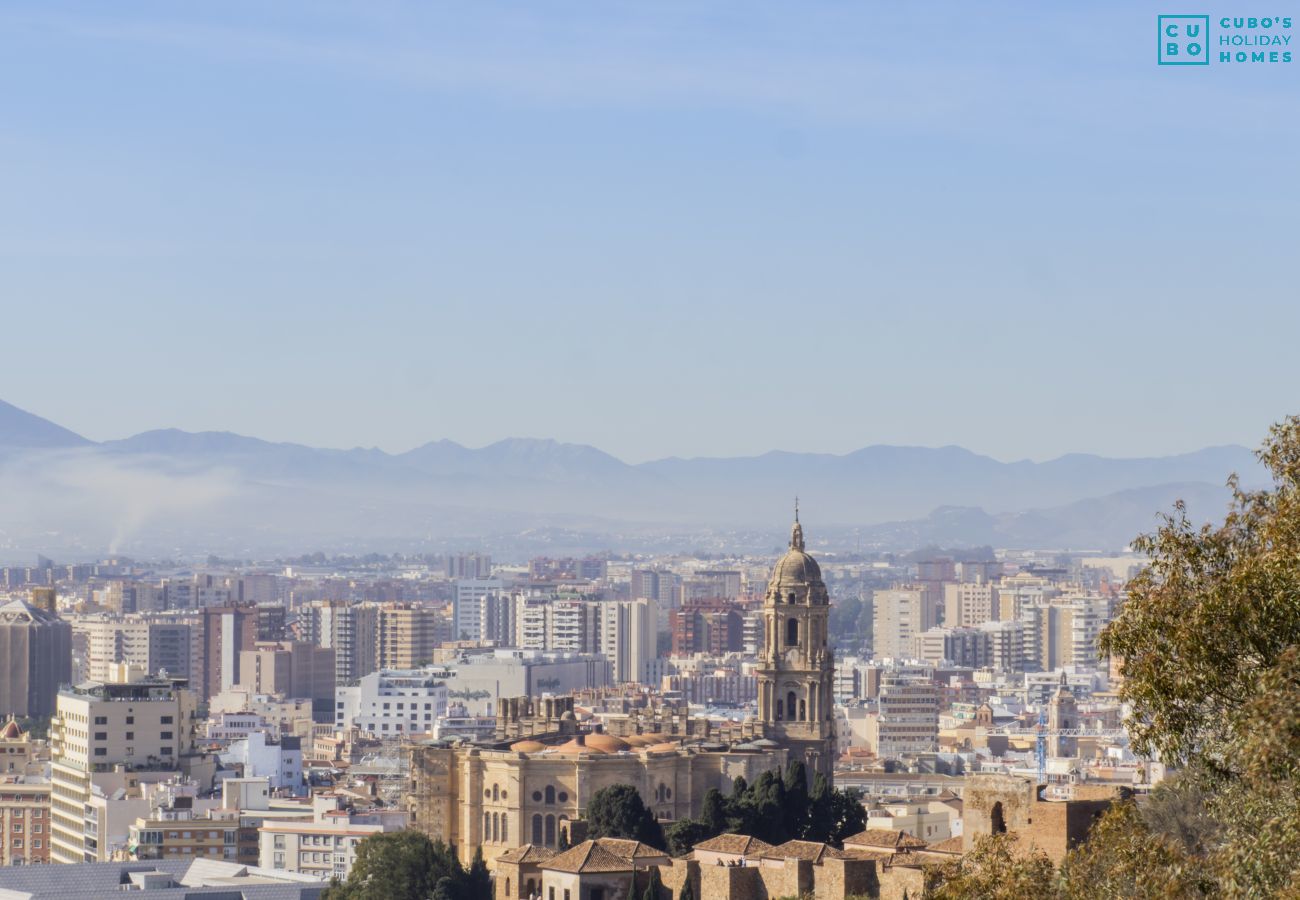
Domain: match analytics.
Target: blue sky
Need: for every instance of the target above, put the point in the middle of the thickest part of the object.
(660, 228)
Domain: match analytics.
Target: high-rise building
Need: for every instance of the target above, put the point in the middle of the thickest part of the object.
(968, 604)
(908, 720)
(796, 671)
(468, 609)
(407, 636)
(627, 636)
(108, 736)
(714, 627)
(899, 615)
(292, 669)
(469, 565)
(351, 630)
(35, 655)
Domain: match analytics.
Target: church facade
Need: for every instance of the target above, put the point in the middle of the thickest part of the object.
(543, 765)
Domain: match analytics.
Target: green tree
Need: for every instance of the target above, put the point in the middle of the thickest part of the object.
(994, 870)
(713, 812)
(688, 890)
(398, 864)
(1123, 858)
(619, 812)
(820, 823)
(1216, 607)
(684, 834)
(653, 885)
(794, 804)
(478, 881)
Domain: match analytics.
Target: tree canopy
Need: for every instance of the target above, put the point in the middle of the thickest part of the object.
(619, 812)
(407, 865)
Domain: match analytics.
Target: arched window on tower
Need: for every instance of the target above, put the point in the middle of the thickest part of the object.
(537, 829)
(791, 704)
(791, 632)
(550, 831)
(803, 711)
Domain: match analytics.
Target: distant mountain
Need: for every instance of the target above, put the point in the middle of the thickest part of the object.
(202, 490)
(19, 428)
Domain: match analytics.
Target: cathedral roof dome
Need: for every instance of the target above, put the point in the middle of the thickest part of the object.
(796, 572)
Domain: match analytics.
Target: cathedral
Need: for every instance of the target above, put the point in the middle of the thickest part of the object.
(535, 776)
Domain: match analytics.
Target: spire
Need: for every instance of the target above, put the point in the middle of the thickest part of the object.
(796, 533)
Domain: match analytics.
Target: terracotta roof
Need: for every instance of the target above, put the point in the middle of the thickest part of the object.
(740, 844)
(886, 838)
(589, 856)
(528, 853)
(629, 849)
(809, 850)
(528, 746)
(951, 845)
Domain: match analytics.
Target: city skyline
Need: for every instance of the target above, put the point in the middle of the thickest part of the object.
(344, 226)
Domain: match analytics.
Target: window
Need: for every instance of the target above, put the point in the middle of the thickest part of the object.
(791, 632)
(164, 751)
(550, 831)
(130, 735)
(550, 795)
(101, 720)
(537, 829)
(130, 720)
(165, 736)
(165, 720)
(101, 735)
(101, 751)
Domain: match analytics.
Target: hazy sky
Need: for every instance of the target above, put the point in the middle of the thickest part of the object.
(661, 228)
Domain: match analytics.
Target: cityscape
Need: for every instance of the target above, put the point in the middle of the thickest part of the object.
(648, 452)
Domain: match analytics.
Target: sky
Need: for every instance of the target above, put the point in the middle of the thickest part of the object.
(664, 229)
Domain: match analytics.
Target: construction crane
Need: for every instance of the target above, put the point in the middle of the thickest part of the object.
(1041, 733)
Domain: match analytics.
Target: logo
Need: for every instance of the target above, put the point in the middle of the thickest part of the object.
(1183, 40)
(1186, 40)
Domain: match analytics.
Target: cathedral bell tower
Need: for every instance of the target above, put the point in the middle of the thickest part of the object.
(796, 668)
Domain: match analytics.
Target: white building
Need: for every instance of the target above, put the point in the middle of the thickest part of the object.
(262, 756)
(469, 607)
(393, 702)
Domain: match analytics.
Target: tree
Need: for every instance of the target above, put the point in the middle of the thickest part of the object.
(398, 864)
(684, 834)
(820, 823)
(619, 812)
(713, 812)
(688, 891)
(653, 885)
(994, 870)
(794, 804)
(478, 881)
(1215, 608)
(1124, 858)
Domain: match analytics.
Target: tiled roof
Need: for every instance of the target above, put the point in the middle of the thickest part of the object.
(809, 850)
(739, 844)
(951, 845)
(629, 849)
(528, 853)
(589, 856)
(885, 838)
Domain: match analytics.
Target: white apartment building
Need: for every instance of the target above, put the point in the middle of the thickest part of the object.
(393, 702)
(899, 615)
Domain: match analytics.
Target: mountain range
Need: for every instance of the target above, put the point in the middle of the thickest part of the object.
(172, 491)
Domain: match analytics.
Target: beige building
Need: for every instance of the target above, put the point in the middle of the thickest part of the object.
(543, 765)
(968, 604)
(407, 636)
(898, 616)
(114, 736)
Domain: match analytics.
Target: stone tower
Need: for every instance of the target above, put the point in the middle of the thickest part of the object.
(796, 668)
(1062, 715)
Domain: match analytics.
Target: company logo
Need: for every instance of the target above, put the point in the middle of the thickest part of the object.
(1186, 40)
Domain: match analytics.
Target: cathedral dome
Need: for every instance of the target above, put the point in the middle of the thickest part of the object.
(796, 573)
